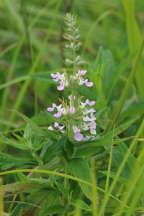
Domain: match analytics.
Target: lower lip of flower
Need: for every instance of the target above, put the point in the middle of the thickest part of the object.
(61, 87)
(78, 137)
(50, 128)
(50, 109)
(89, 84)
(58, 114)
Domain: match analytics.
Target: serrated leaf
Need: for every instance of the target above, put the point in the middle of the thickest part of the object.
(80, 168)
(8, 161)
(12, 143)
(21, 187)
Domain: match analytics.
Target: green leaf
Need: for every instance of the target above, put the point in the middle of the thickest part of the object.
(8, 161)
(104, 72)
(132, 111)
(21, 187)
(80, 168)
(13, 143)
(57, 209)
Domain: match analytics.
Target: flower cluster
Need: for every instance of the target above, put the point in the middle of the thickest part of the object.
(83, 115)
(74, 116)
(79, 78)
(64, 81)
(88, 123)
(62, 109)
(61, 78)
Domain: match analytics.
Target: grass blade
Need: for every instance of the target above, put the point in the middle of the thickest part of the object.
(105, 201)
(123, 97)
(134, 39)
(34, 66)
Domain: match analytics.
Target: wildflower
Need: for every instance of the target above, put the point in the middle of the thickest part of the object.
(62, 109)
(79, 77)
(77, 135)
(57, 126)
(50, 128)
(77, 116)
(61, 78)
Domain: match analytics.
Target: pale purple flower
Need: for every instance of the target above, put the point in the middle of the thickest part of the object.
(56, 77)
(50, 128)
(92, 116)
(78, 137)
(85, 126)
(76, 129)
(82, 105)
(87, 111)
(50, 109)
(56, 124)
(81, 81)
(62, 80)
(88, 84)
(93, 124)
(58, 114)
(90, 103)
(61, 86)
(61, 127)
(87, 118)
(82, 72)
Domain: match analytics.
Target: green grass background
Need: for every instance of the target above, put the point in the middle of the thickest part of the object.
(31, 47)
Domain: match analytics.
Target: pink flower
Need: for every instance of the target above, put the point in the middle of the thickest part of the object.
(50, 109)
(76, 129)
(56, 124)
(61, 86)
(50, 128)
(78, 136)
(82, 72)
(58, 114)
(90, 103)
(93, 124)
(88, 84)
(55, 77)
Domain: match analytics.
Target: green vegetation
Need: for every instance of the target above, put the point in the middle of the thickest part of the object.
(49, 173)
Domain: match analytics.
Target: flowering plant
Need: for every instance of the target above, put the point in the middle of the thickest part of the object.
(76, 115)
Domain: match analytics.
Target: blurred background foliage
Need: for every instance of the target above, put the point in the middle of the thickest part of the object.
(32, 47)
